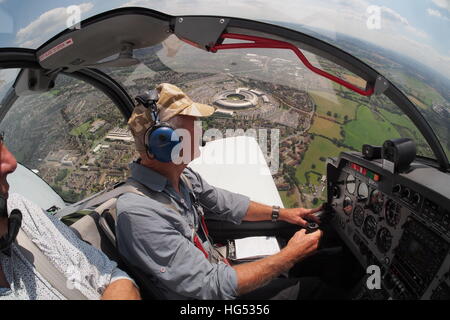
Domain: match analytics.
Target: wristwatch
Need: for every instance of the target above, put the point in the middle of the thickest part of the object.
(275, 213)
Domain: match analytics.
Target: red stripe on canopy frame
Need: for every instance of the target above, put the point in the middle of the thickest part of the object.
(259, 42)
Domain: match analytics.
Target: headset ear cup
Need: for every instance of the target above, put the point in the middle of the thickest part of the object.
(161, 140)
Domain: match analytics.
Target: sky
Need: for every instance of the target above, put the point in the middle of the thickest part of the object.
(419, 29)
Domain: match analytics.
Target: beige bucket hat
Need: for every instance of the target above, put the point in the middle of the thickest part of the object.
(172, 102)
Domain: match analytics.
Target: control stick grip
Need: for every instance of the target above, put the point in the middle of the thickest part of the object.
(311, 227)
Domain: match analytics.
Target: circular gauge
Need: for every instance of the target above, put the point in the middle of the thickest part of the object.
(370, 227)
(335, 191)
(392, 213)
(416, 199)
(358, 216)
(376, 201)
(350, 184)
(347, 206)
(384, 240)
(363, 191)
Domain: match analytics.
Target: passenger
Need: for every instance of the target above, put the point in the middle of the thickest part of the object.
(155, 232)
(86, 272)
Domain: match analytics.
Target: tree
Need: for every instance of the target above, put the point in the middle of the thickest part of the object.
(329, 113)
(313, 166)
(62, 174)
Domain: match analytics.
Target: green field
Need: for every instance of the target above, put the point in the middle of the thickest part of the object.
(403, 121)
(420, 89)
(418, 103)
(314, 177)
(328, 102)
(288, 201)
(81, 129)
(366, 129)
(326, 128)
(318, 148)
(399, 119)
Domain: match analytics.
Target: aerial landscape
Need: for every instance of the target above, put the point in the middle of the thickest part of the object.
(78, 141)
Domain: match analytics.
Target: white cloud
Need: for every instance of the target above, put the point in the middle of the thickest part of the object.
(437, 13)
(47, 25)
(433, 12)
(422, 52)
(445, 4)
(394, 15)
(417, 32)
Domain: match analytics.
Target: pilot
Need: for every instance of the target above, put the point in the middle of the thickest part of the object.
(163, 234)
(86, 271)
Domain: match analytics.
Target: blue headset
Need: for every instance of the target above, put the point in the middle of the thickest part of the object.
(161, 138)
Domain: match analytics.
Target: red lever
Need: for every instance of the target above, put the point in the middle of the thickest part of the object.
(259, 42)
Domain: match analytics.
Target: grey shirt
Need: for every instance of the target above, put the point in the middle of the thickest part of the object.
(157, 239)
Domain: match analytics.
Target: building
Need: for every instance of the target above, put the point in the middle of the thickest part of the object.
(238, 99)
(119, 134)
(97, 148)
(257, 92)
(97, 125)
(67, 163)
(91, 161)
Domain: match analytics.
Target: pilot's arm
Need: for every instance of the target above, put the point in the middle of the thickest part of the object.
(260, 212)
(226, 205)
(153, 238)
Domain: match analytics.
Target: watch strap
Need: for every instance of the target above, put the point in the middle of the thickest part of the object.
(275, 213)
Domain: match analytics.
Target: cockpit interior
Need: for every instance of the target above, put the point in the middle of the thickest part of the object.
(300, 122)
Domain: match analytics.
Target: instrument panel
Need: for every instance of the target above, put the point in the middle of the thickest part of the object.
(393, 221)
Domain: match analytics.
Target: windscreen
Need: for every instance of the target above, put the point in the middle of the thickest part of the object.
(271, 89)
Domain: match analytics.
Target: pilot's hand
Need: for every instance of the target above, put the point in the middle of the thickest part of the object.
(303, 244)
(298, 215)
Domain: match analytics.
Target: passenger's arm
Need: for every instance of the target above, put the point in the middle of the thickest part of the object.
(84, 265)
(121, 289)
(255, 274)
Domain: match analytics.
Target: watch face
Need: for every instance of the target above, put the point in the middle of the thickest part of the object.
(275, 213)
